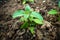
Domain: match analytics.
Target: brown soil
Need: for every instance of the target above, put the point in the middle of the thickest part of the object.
(10, 28)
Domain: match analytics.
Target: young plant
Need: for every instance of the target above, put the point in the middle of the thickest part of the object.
(24, 1)
(52, 12)
(29, 17)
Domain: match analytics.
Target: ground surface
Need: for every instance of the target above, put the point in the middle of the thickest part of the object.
(11, 31)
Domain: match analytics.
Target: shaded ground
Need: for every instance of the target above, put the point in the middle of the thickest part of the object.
(10, 29)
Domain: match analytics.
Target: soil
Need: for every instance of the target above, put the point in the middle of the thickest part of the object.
(10, 28)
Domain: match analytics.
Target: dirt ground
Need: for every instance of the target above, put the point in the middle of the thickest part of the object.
(10, 28)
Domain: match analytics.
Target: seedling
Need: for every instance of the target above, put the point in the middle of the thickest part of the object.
(29, 17)
(24, 1)
(52, 12)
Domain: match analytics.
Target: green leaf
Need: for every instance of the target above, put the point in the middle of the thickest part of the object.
(27, 12)
(25, 25)
(58, 18)
(25, 17)
(32, 30)
(38, 21)
(24, 1)
(59, 4)
(36, 15)
(31, 0)
(18, 13)
(52, 11)
(27, 8)
(31, 19)
(22, 19)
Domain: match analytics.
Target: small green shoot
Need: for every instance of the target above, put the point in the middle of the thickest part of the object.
(32, 30)
(28, 16)
(24, 1)
(52, 11)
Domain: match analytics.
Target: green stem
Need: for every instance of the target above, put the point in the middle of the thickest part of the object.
(24, 25)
